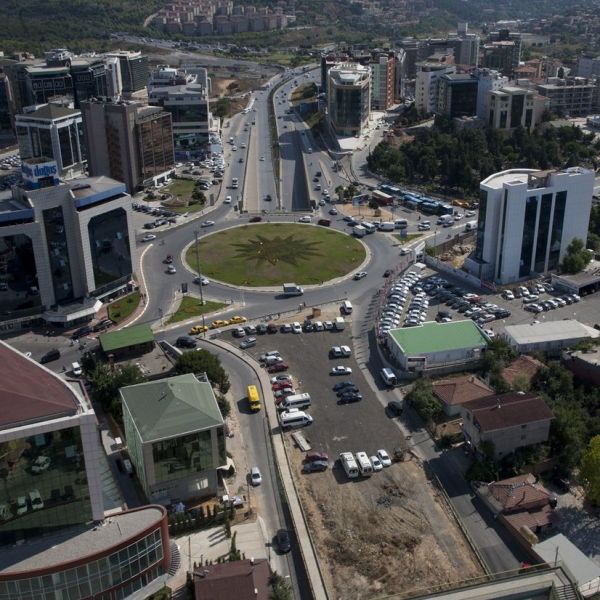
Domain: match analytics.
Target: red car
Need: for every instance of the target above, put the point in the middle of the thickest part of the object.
(169, 259)
(277, 368)
(281, 394)
(313, 455)
(281, 385)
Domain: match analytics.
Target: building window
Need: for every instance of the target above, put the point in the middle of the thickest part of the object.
(543, 234)
(557, 229)
(501, 241)
(528, 235)
(481, 225)
(58, 254)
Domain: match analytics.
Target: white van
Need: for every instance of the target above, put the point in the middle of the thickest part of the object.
(400, 224)
(388, 376)
(386, 226)
(369, 227)
(296, 401)
(294, 418)
(339, 324)
(445, 220)
(364, 464)
(349, 464)
(346, 307)
(76, 369)
(470, 225)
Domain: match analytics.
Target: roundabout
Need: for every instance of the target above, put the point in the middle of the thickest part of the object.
(268, 255)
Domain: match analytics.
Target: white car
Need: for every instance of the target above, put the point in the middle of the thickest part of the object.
(36, 500)
(201, 280)
(304, 219)
(296, 327)
(341, 370)
(346, 351)
(318, 326)
(22, 507)
(489, 333)
(508, 295)
(148, 237)
(41, 464)
(404, 251)
(281, 378)
(227, 200)
(328, 325)
(262, 158)
(171, 270)
(207, 223)
(377, 466)
(255, 476)
(384, 457)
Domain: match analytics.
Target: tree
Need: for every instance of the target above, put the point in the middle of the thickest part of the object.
(576, 259)
(202, 361)
(106, 381)
(590, 470)
(423, 400)
(280, 588)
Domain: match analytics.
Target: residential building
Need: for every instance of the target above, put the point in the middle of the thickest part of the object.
(458, 391)
(383, 69)
(246, 579)
(548, 336)
(559, 549)
(488, 81)
(63, 247)
(588, 66)
(349, 98)
(175, 437)
(133, 68)
(427, 83)
(432, 346)
(523, 506)
(54, 535)
(468, 50)
(54, 132)
(188, 105)
(134, 340)
(572, 96)
(457, 95)
(584, 364)
(508, 421)
(511, 107)
(128, 141)
(527, 218)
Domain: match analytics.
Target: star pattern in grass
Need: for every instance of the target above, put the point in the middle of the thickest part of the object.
(287, 249)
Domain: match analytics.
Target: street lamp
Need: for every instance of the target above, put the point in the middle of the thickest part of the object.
(200, 282)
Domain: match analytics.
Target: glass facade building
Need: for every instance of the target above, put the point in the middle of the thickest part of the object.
(58, 253)
(43, 485)
(109, 245)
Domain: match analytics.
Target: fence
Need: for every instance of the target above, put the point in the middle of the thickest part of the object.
(442, 267)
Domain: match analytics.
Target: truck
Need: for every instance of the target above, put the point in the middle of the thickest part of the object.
(339, 324)
(348, 462)
(291, 289)
(359, 231)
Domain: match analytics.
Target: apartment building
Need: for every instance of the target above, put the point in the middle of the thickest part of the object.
(427, 82)
(573, 96)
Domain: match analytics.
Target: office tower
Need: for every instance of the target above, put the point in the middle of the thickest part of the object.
(349, 98)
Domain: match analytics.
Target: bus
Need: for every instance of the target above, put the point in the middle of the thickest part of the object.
(382, 198)
(253, 398)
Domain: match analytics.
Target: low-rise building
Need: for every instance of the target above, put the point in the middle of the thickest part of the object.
(511, 107)
(582, 283)
(573, 96)
(246, 579)
(522, 370)
(430, 346)
(128, 342)
(548, 336)
(508, 421)
(175, 437)
(584, 364)
(458, 391)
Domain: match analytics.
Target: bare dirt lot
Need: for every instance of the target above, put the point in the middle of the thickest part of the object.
(384, 535)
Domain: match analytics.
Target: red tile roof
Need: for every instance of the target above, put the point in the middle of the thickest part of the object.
(523, 366)
(508, 410)
(29, 393)
(518, 493)
(532, 518)
(460, 390)
(240, 579)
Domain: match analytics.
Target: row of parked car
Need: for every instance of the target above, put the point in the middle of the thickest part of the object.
(397, 297)
(536, 306)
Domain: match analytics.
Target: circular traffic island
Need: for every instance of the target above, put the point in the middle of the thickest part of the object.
(274, 253)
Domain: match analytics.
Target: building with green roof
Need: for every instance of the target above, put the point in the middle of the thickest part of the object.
(175, 437)
(445, 347)
(129, 341)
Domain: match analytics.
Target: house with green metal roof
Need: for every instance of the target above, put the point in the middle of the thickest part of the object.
(129, 341)
(175, 437)
(441, 347)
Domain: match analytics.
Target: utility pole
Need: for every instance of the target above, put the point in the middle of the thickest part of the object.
(200, 282)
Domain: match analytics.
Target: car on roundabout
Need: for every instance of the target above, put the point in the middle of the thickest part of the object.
(171, 270)
(201, 280)
(341, 370)
(148, 237)
(197, 329)
(207, 223)
(219, 323)
(359, 275)
(304, 219)
(237, 319)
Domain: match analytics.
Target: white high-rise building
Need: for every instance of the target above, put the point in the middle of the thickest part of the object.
(527, 218)
(427, 83)
(488, 81)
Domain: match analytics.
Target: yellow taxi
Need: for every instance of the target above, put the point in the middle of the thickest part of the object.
(237, 319)
(219, 323)
(196, 329)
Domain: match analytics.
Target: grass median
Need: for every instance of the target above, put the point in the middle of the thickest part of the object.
(120, 309)
(276, 253)
(190, 307)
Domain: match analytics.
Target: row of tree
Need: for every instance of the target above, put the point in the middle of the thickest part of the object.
(458, 159)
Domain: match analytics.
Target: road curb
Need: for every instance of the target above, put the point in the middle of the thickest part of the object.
(305, 542)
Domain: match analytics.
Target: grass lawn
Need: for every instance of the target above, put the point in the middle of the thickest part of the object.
(191, 307)
(408, 238)
(277, 253)
(192, 208)
(182, 188)
(120, 309)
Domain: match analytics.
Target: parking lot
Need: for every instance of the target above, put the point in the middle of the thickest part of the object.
(355, 522)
